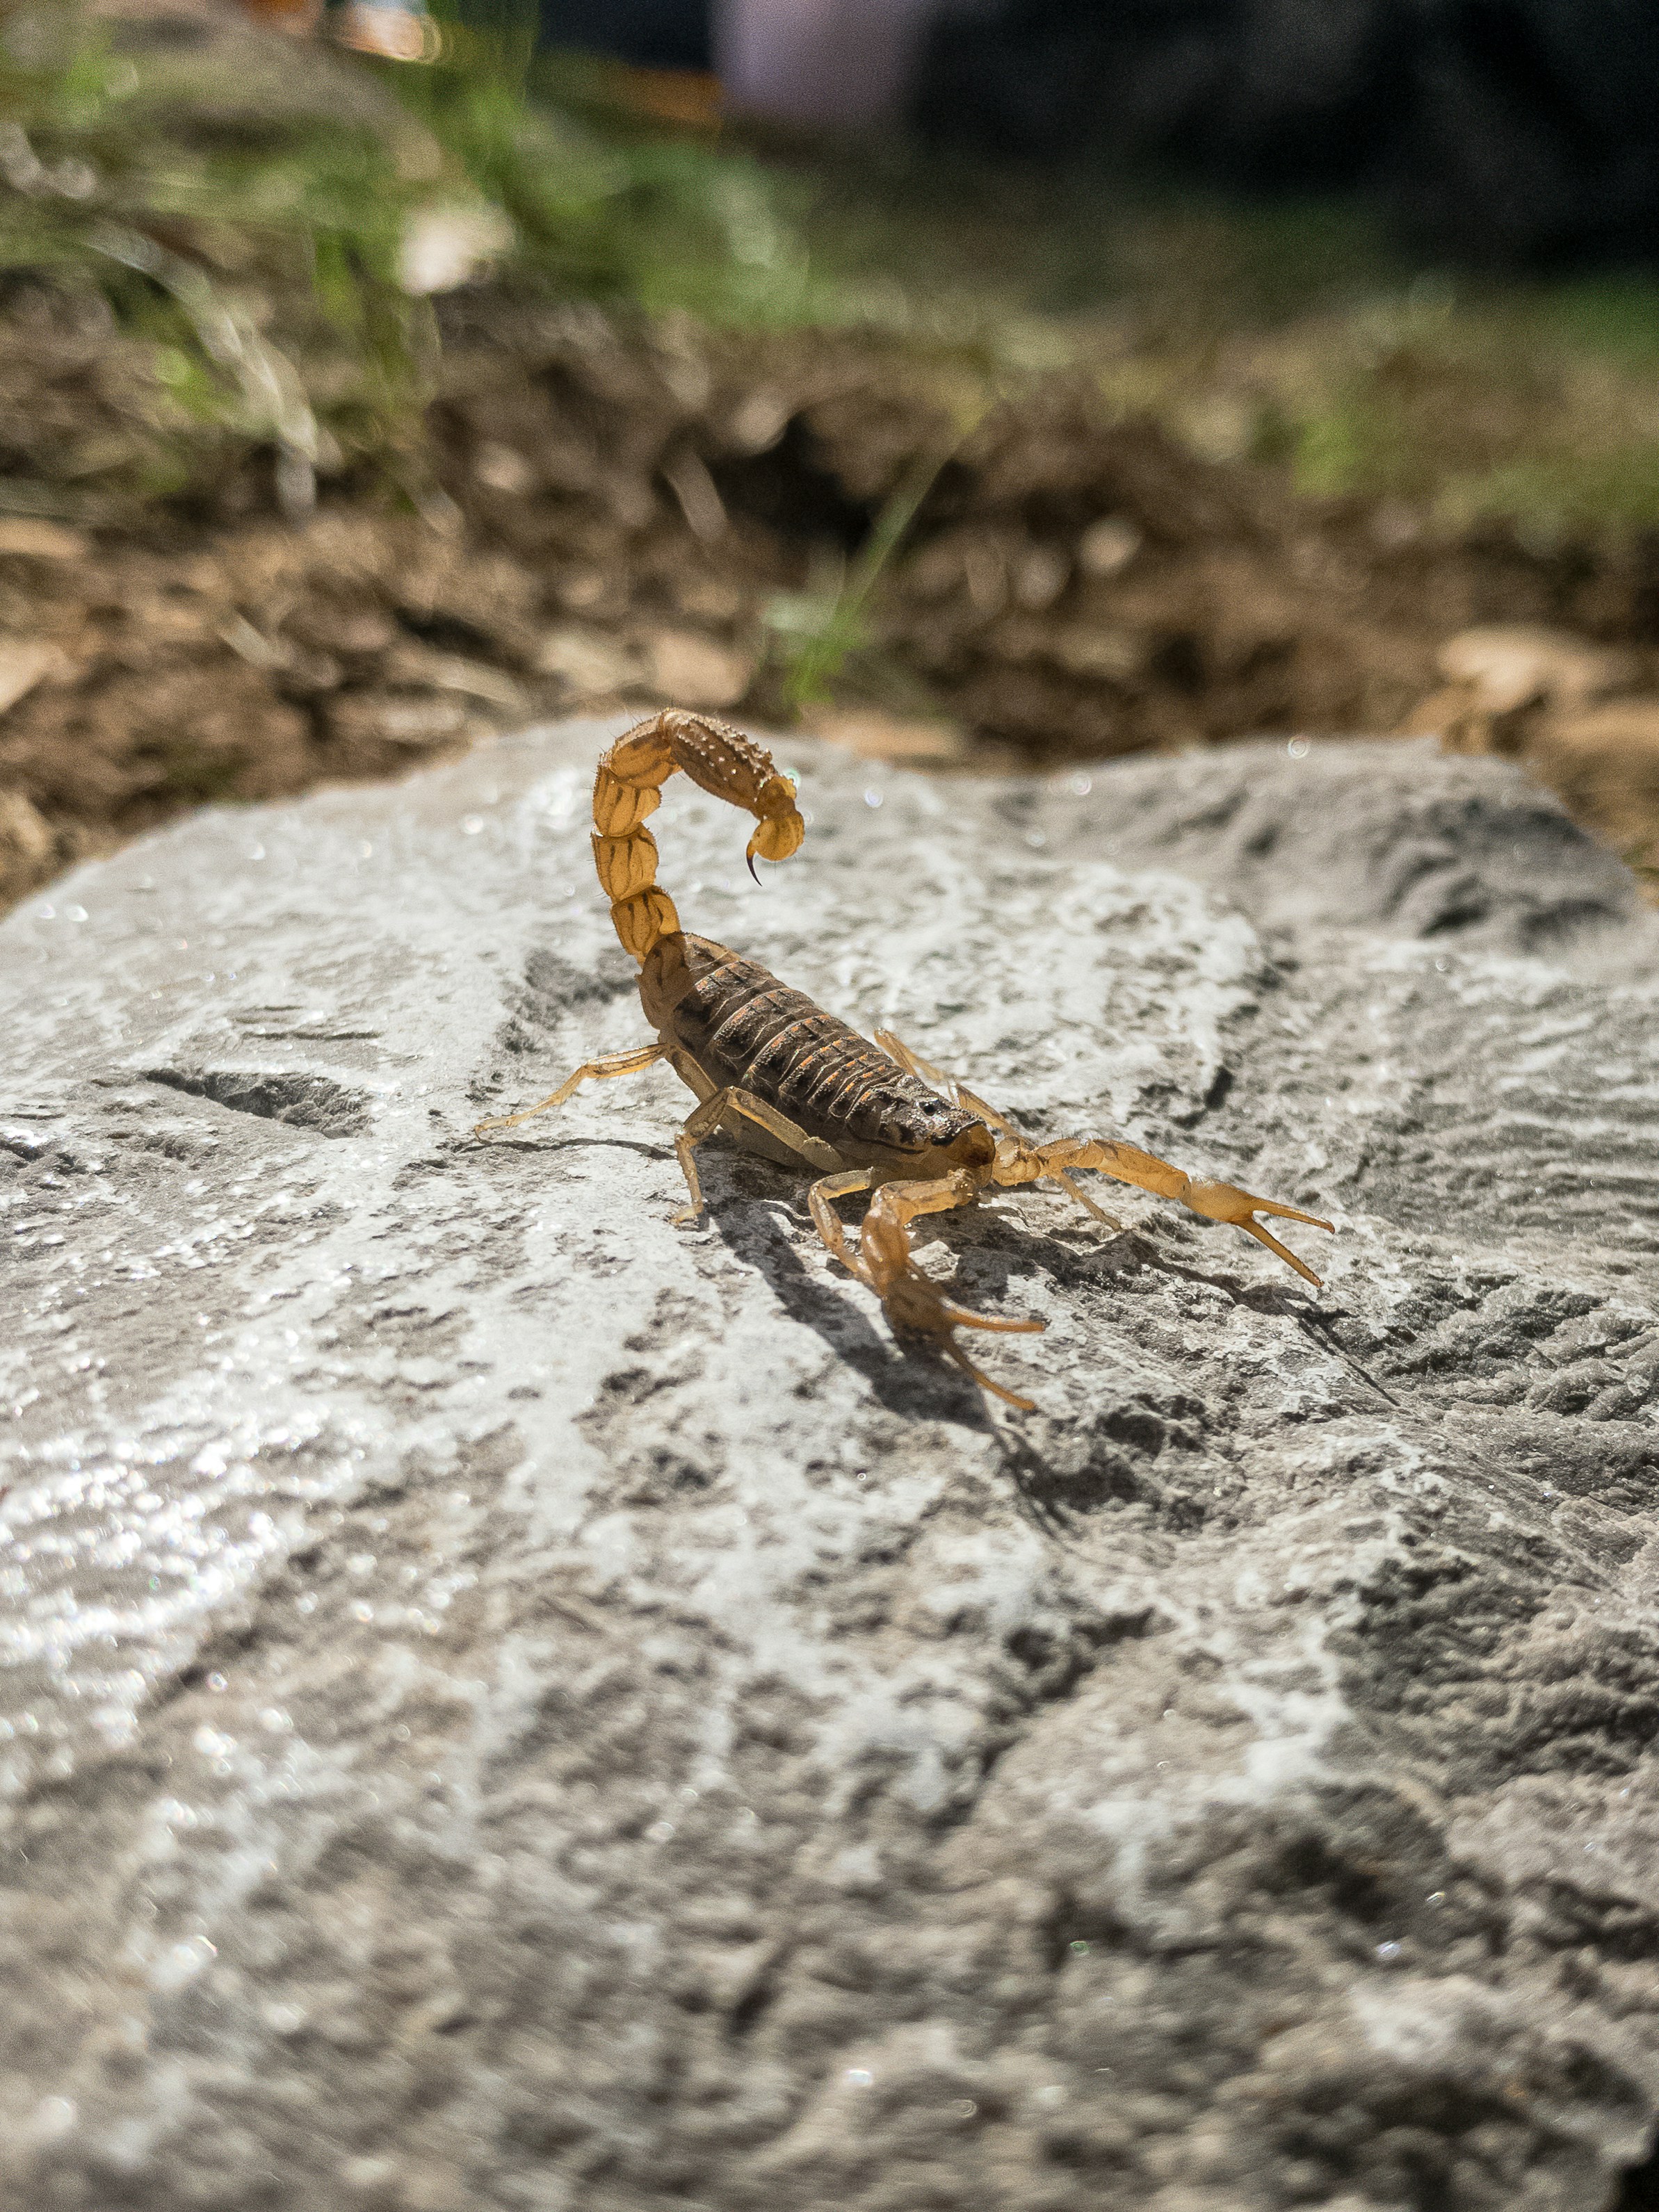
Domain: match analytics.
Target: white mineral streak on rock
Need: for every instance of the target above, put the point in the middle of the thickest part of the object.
(503, 1703)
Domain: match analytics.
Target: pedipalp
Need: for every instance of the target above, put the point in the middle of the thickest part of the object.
(1213, 1201)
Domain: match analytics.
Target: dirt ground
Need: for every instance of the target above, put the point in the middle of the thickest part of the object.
(612, 514)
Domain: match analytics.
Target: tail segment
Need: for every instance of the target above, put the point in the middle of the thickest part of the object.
(628, 788)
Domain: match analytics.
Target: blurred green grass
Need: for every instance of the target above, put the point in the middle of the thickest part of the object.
(1290, 333)
(252, 213)
(246, 209)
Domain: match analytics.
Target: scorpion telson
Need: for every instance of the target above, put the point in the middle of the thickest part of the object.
(791, 1082)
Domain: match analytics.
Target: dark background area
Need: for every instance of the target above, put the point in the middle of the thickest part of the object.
(652, 33)
(1502, 132)
(1495, 130)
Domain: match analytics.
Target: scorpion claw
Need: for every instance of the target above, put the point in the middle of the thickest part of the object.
(1001, 1324)
(940, 1326)
(915, 1306)
(1222, 1201)
(913, 1302)
(959, 1358)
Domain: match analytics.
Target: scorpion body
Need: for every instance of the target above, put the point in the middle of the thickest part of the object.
(798, 1085)
(750, 1033)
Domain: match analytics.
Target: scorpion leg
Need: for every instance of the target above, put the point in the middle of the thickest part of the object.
(911, 1299)
(822, 1200)
(705, 1117)
(959, 1095)
(1215, 1202)
(1084, 1200)
(619, 1063)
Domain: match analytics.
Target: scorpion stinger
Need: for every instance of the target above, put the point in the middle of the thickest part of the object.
(786, 1079)
(628, 788)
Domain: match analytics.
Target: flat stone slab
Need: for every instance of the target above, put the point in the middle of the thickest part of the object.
(509, 1704)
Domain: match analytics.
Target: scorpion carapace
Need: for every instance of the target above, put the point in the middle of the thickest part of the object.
(790, 1081)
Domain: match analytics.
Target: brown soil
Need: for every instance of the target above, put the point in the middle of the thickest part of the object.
(609, 512)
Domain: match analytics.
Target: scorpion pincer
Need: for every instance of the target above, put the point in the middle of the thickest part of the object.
(797, 1085)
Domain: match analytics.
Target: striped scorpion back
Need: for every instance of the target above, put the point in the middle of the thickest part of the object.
(745, 1028)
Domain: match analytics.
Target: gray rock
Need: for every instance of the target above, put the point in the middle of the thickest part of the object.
(510, 1705)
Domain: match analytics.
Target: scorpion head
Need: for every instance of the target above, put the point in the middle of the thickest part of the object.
(922, 1122)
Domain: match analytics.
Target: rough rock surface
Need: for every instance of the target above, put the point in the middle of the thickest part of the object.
(510, 1705)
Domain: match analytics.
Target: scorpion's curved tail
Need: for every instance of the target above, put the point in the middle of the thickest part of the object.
(628, 788)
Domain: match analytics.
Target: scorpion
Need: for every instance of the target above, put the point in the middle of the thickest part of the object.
(797, 1086)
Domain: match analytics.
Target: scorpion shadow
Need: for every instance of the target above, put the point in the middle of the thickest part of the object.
(909, 1375)
(743, 1198)
(1315, 1321)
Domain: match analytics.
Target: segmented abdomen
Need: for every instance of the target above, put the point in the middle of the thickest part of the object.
(744, 1027)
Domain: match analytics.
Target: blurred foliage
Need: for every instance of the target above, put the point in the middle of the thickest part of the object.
(605, 204)
(1285, 333)
(265, 221)
(816, 634)
(246, 227)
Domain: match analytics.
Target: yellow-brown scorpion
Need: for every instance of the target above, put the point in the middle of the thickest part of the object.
(795, 1083)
